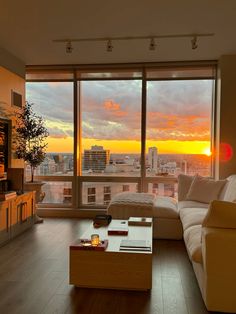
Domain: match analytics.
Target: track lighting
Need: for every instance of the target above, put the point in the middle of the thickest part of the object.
(152, 45)
(194, 42)
(69, 47)
(109, 46)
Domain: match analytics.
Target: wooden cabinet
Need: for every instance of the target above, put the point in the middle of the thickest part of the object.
(4, 222)
(16, 216)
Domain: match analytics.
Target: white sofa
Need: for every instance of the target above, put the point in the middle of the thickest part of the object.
(209, 233)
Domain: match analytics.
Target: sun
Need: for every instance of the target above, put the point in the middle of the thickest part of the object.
(207, 152)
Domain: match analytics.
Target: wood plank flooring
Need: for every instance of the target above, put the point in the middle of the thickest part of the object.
(34, 277)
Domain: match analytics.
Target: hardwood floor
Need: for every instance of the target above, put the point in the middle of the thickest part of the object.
(34, 277)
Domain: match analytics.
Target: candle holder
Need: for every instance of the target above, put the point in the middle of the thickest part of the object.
(95, 241)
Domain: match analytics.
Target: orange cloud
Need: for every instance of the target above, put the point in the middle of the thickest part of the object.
(180, 127)
(110, 106)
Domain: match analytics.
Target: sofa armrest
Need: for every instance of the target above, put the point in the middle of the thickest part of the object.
(221, 214)
(219, 268)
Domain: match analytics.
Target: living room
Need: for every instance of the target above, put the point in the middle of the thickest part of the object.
(130, 102)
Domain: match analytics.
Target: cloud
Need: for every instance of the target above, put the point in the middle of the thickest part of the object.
(192, 97)
(52, 100)
(57, 132)
(179, 110)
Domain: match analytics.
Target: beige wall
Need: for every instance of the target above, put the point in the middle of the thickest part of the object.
(8, 82)
(11, 63)
(227, 115)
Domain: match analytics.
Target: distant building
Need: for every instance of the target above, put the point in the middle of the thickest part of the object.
(96, 158)
(153, 158)
(184, 166)
(169, 167)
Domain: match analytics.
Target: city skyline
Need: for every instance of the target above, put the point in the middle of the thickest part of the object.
(96, 162)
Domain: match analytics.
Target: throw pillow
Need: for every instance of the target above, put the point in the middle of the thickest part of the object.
(205, 190)
(221, 214)
(184, 183)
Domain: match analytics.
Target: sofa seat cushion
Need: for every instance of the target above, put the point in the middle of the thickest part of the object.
(192, 216)
(165, 207)
(192, 239)
(189, 204)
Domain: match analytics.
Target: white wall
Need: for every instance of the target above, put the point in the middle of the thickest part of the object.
(227, 116)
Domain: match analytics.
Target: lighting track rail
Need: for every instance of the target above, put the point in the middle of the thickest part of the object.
(151, 38)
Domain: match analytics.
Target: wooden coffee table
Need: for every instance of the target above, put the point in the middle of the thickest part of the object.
(113, 269)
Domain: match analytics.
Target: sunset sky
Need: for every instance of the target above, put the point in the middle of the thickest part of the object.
(178, 115)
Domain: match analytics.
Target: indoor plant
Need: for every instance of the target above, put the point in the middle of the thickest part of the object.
(31, 146)
(31, 135)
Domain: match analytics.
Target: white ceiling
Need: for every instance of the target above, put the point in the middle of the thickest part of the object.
(28, 27)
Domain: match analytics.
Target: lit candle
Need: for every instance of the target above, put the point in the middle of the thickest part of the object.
(95, 239)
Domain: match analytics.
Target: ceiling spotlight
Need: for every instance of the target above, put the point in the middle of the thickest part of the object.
(152, 45)
(109, 46)
(69, 47)
(194, 42)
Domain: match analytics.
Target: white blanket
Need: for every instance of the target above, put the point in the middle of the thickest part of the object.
(126, 204)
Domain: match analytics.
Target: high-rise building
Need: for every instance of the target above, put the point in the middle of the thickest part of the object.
(153, 158)
(184, 166)
(96, 158)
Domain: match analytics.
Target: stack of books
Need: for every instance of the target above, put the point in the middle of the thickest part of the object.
(118, 228)
(118, 231)
(5, 196)
(135, 245)
(140, 221)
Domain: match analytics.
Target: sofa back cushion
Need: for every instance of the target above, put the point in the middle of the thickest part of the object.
(229, 191)
(184, 183)
(205, 190)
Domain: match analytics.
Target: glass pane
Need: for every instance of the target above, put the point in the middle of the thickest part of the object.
(111, 127)
(100, 193)
(163, 189)
(57, 192)
(54, 101)
(181, 72)
(179, 127)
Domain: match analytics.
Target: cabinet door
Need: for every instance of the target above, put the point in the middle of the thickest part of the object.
(28, 204)
(21, 214)
(16, 210)
(4, 222)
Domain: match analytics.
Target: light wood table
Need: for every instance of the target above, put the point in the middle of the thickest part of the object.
(113, 269)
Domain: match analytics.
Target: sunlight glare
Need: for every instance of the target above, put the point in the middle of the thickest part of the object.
(207, 152)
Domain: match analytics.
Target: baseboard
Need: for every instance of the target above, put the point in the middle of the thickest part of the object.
(69, 213)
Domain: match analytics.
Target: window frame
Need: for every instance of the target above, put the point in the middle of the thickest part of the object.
(142, 181)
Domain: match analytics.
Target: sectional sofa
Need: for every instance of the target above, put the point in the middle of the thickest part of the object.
(205, 217)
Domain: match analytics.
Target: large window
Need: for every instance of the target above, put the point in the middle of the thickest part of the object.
(136, 129)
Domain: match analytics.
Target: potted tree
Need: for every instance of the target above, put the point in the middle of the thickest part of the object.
(31, 145)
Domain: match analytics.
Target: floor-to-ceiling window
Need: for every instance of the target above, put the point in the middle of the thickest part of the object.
(136, 130)
(111, 137)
